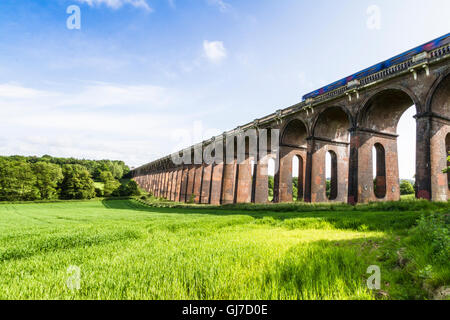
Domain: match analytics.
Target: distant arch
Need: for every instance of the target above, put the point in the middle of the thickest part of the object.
(333, 123)
(295, 134)
(382, 111)
(439, 97)
(298, 165)
(333, 167)
(380, 171)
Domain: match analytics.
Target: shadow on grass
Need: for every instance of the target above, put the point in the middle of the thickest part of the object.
(373, 217)
(326, 269)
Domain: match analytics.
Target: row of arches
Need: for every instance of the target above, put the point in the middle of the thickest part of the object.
(341, 154)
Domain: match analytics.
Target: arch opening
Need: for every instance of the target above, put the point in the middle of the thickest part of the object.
(383, 111)
(333, 124)
(447, 148)
(389, 115)
(406, 146)
(329, 159)
(297, 178)
(332, 175)
(295, 134)
(271, 179)
(379, 164)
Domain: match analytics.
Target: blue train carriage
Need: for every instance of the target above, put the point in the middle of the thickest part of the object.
(439, 42)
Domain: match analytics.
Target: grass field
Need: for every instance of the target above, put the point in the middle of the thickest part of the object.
(126, 249)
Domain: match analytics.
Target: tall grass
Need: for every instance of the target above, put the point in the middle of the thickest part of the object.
(130, 250)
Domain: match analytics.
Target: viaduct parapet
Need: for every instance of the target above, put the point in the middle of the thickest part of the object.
(347, 119)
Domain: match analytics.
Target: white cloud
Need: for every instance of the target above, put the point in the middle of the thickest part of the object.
(116, 4)
(97, 95)
(16, 91)
(215, 51)
(109, 95)
(221, 4)
(99, 121)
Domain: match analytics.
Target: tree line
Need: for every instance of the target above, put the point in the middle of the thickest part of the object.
(47, 178)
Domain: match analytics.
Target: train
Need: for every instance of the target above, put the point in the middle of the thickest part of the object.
(434, 44)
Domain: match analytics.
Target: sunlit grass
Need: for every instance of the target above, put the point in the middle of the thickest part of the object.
(127, 250)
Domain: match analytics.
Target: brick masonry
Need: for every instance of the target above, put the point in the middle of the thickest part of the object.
(349, 129)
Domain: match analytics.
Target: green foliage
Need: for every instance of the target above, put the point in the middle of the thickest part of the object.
(328, 188)
(133, 188)
(191, 199)
(447, 170)
(99, 192)
(110, 183)
(271, 182)
(17, 181)
(434, 230)
(48, 176)
(77, 183)
(295, 188)
(406, 188)
(40, 178)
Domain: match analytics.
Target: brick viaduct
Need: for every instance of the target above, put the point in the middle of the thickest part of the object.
(347, 122)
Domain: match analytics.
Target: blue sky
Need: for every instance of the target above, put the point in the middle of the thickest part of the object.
(142, 78)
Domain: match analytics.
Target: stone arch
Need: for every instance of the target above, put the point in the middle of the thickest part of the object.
(295, 134)
(439, 122)
(377, 123)
(333, 123)
(380, 177)
(447, 147)
(331, 135)
(293, 143)
(333, 193)
(438, 100)
(301, 176)
(382, 111)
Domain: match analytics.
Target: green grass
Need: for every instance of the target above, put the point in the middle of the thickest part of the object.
(408, 197)
(127, 249)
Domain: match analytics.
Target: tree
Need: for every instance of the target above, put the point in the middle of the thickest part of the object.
(271, 182)
(447, 170)
(101, 167)
(48, 176)
(328, 188)
(406, 188)
(133, 188)
(116, 170)
(111, 184)
(77, 183)
(295, 188)
(17, 181)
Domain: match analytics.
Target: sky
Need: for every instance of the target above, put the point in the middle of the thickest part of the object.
(140, 79)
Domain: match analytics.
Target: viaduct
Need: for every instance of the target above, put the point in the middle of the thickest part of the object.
(347, 122)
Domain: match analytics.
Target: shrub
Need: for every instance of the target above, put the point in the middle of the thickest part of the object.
(433, 230)
(77, 183)
(133, 188)
(406, 188)
(99, 192)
